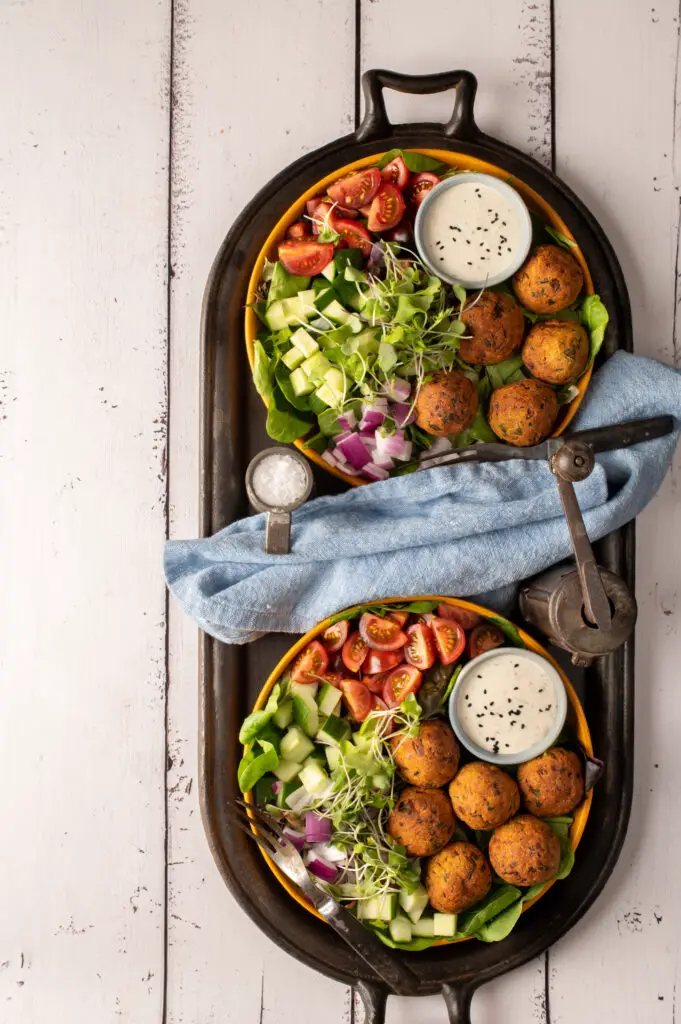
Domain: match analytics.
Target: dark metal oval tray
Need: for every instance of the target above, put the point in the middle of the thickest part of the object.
(232, 432)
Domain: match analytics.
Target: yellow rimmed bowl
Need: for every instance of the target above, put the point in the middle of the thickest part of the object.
(296, 211)
(575, 717)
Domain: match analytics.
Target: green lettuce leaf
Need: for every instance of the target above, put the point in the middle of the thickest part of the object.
(262, 371)
(595, 317)
(502, 925)
(493, 904)
(416, 162)
(255, 723)
(253, 766)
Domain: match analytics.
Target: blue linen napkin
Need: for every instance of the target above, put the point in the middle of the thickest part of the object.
(457, 530)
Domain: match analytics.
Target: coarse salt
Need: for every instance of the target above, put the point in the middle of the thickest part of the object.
(279, 481)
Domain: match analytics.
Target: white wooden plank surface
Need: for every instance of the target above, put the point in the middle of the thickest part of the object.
(83, 301)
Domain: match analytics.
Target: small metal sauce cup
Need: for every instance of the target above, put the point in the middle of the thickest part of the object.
(278, 528)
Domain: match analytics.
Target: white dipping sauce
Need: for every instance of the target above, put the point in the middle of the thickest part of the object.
(279, 480)
(508, 704)
(472, 232)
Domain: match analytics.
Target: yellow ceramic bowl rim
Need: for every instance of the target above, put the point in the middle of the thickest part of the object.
(581, 813)
(297, 210)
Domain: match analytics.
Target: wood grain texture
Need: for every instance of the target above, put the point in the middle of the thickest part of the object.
(251, 95)
(82, 446)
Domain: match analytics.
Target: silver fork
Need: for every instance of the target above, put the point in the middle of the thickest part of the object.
(270, 838)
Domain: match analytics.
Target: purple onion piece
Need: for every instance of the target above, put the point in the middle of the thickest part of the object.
(296, 839)
(317, 829)
(354, 450)
(374, 472)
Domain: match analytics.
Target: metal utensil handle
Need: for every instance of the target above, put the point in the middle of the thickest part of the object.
(382, 962)
(623, 435)
(373, 1002)
(458, 1001)
(278, 533)
(596, 604)
(375, 123)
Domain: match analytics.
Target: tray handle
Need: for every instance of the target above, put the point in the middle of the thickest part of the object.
(373, 1001)
(375, 123)
(458, 1001)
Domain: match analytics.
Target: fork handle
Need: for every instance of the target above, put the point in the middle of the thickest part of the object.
(382, 962)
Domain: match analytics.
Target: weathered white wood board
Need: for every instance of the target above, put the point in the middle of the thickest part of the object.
(83, 202)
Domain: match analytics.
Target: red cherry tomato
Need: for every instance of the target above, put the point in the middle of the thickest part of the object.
(401, 618)
(419, 187)
(312, 204)
(305, 258)
(357, 189)
(301, 229)
(353, 234)
(420, 649)
(365, 210)
(400, 683)
(381, 634)
(346, 211)
(485, 638)
(396, 172)
(333, 677)
(382, 661)
(335, 636)
(386, 209)
(358, 698)
(354, 653)
(450, 639)
(466, 619)
(380, 705)
(375, 683)
(311, 663)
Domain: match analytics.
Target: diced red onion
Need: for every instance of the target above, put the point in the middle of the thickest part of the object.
(329, 853)
(402, 413)
(439, 446)
(354, 450)
(398, 389)
(297, 839)
(343, 436)
(347, 420)
(393, 445)
(373, 414)
(317, 829)
(276, 786)
(335, 459)
(375, 472)
(383, 461)
(326, 872)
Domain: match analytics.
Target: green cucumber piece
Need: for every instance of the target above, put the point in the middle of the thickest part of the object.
(283, 716)
(334, 731)
(333, 756)
(287, 790)
(400, 930)
(276, 317)
(315, 779)
(304, 341)
(292, 358)
(423, 928)
(334, 311)
(303, 690)
(328, 396)
(444, 925)
(329, 699)
(316, 366)
(295, 746)
(306, 713)
(287, 770)
(387, 906)
(367, 910)
(414, 903)
(300, 382)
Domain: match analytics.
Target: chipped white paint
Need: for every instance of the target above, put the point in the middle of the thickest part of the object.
(83, 250)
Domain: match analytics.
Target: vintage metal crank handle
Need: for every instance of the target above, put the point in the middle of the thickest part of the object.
(382, 962)
(624, 435)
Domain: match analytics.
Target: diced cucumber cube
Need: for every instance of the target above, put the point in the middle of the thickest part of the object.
(324, 298)
(316, 367)
(321, 324)
(300, 382)
(287, 770)
(298, 800)
(303, 690)
(400, 930)
(283, 716)
(276, 317)
(444, 925)
(357, 302)
(423, 928)
(295, 746)
(333, 756)
(307, 302)
(333, 731)
(334, 311)
(318, 755)
(329, 396)
(287, 790)
(294, 310)
(353, 274)
(306, 714)
(414, 903)
(335, 379)
(315, 779)
(329, 699)
(387, 906)
(304, 341)
(367, 910)
(292, 358)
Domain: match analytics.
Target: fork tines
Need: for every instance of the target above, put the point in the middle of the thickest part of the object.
(268, 833)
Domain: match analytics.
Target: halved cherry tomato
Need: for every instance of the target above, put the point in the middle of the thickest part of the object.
(404, 232)
(427, 618)
(466, 619)
(357, 189)
(357, 697)
(375, 683)
(380, 705)
(401, 618)
(365, 210)
(346, 211)
(386, 209)
(354, 653)
(300, 229)
(305, 258)
(396, 172)
(382, 661)
(420, 649)
(420, 185)
(485, 638)
(334, 678)
(311, 663)
(400, 683)
(335, 636)
(381, 634)
(354, 235)
(450, 639)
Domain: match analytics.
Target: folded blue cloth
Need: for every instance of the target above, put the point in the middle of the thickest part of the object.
(457, 530)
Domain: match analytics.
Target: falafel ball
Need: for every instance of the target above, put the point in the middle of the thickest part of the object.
(552, 783)
(447, 404)
(483, 795)
(457, 877)
(523, 413)
(429, 759)
(497, 324)
(549, 280)
(422, 820)
(556, 351)
(525, 851)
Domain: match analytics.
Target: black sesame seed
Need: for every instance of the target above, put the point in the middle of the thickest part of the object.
(468, 263)
(515, 687)
(484, 691)
(542, 690)
(507, 745)
(479, 725)
(491, 703)
(504, 223)
(451, 227)
(508, 699)
(513, 723)
(442, 259)
(508, 249)
(522, 725)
